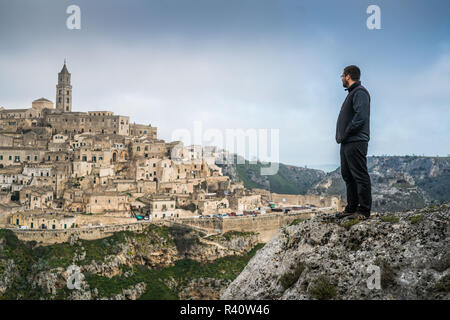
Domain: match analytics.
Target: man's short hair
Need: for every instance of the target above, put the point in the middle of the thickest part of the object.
(353, 72)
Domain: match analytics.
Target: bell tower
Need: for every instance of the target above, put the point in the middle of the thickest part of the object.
(64, 91)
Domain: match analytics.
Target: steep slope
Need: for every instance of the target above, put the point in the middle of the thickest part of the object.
(288, 180)
(322, 258)
(158, 263)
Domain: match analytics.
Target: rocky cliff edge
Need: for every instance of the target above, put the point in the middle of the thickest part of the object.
(401, 255)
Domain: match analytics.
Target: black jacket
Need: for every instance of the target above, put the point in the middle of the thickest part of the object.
(353, 122)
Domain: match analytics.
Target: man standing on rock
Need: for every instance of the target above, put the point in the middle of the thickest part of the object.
(353, 133)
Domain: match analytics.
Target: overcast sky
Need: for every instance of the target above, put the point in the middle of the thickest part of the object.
(241, 64)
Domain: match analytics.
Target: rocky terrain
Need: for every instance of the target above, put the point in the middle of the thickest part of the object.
(398, 183)
(158, 263)
(323, 258)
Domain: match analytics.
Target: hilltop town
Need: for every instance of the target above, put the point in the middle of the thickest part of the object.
(63, 169)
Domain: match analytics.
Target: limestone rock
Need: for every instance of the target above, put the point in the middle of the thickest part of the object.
(326, 259)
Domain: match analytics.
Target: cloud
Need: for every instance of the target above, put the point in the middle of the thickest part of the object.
(231, 65)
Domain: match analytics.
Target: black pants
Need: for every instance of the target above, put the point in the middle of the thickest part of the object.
(357, 179)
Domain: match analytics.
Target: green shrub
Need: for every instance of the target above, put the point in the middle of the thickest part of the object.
(297, 221)
(443, 285)
(291, 277)
(348, 224)
(323, 289)
(416, 219)
(391, 219)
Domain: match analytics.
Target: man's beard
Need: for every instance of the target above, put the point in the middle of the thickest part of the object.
(345, 83)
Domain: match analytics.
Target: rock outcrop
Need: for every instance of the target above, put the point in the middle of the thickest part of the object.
(323, 258)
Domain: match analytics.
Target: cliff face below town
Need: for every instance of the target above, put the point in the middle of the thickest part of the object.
(158, 263)
(324, 258)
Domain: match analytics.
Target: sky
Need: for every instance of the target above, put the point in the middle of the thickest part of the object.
(241, 64)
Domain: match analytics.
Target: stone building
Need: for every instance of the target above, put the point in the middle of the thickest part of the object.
(245, 202)
(98, 122)
(37, 219)
(141, 130)
(160, 206)
(106, 201)
(36, 197)
(145, 148)
(15, 155)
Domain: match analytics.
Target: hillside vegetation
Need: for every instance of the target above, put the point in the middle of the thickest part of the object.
(159, 263)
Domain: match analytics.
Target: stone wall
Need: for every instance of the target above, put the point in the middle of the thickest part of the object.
(266, 225)
(47, 237)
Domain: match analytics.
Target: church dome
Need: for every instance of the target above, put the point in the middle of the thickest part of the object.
(41, 104)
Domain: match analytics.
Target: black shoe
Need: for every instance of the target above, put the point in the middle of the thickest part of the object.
(344, 214)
